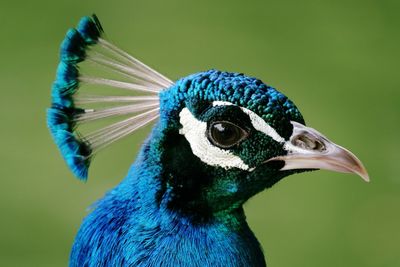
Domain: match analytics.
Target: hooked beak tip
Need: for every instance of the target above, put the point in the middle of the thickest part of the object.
(362, 172)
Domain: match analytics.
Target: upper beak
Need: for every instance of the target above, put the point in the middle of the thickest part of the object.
(309, 149)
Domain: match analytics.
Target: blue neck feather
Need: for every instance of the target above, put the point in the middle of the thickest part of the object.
(134, 225)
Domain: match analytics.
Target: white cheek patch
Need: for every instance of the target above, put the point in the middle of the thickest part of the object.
(195, 132)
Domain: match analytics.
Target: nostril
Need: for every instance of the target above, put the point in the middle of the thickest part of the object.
(308, 142)
(275, 164)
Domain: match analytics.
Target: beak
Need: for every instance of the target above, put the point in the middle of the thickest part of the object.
(309, 149)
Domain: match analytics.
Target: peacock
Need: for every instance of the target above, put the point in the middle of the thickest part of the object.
(218, 139)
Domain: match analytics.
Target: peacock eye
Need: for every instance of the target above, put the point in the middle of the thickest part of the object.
(225, 134)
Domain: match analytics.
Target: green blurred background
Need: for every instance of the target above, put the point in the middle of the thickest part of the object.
(337, 60)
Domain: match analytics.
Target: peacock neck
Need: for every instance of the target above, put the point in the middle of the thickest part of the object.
(204, 236)
(135, 225)
(223, 239)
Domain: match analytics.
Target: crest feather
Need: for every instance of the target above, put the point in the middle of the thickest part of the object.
(75, 104)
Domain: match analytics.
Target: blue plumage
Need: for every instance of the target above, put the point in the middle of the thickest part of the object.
(60, 117)
(90, 29)
(73, 48)
(220, 139)
(134, 225)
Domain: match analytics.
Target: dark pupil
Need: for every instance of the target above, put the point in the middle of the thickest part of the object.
(225, 134)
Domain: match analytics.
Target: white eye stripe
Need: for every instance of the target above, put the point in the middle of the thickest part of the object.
(258, 123)
(195, 133)
(222, 103)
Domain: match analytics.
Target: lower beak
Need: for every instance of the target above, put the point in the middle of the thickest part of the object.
(309, 149)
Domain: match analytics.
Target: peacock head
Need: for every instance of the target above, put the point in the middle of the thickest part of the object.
(229, 136)
(222, 137)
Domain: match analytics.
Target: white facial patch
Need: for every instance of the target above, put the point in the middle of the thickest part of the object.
(195, 132)
(258, 123)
